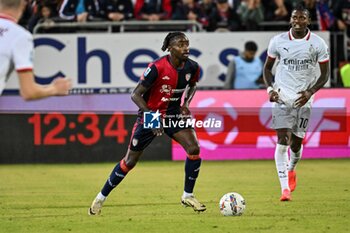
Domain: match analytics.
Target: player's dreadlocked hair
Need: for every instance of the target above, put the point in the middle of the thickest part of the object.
(169, 37)
(301, 7)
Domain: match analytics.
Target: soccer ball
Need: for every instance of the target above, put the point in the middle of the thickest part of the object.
(232, 204)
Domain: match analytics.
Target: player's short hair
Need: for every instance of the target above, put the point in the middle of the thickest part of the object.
(251, 46)
(10, 4)
(171, 36)
(301, 7)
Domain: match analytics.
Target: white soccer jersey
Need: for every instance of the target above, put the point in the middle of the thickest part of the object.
(298, 61)
(16, 49)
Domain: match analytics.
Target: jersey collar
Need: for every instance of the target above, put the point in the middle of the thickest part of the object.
(8, 17)
(179, 68)
(291, 37)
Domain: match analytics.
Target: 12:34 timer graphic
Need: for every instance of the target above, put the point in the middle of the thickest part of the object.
(86, 128)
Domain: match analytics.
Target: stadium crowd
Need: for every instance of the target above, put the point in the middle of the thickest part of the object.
(232, 15)
(213, 15)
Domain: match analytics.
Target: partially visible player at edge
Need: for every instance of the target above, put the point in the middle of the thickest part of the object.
(16, 52)
(299, 52)
(160, 88)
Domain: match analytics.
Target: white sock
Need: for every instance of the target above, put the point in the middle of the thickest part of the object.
(281, 159)
(101, 196)
(185, 194)
(294, 158)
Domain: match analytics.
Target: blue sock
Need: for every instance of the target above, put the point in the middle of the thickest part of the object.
(114, 179)
(191, 173)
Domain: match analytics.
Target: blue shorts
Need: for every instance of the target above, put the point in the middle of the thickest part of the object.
(141, 137)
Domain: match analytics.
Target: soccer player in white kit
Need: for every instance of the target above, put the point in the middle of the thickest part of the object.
(299, 52)
(16, 52)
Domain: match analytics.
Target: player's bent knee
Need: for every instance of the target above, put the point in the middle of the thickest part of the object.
(193, 150)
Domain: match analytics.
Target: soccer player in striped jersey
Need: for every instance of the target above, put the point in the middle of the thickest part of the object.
(299, 52)
(160, 90)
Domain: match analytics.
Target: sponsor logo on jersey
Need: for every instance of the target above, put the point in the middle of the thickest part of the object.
(167, 89)
(135, 141)
(313, 53)
(297, 64)
(3, 30)
(166, 78)
(164, 99)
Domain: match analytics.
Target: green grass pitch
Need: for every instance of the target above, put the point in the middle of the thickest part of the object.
(55, 198)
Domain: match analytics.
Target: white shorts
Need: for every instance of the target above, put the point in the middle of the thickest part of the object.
(295, 119)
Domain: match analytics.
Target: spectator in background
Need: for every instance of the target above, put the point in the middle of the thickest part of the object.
(342, 13)
(325, 16)
(245, 71)
(207, 6)
(119, 10)
(224, 18)
(189, 10)
(83, 10)
(45, 14)
(153, 10)
(345, 75)
(276, 10)
(73, 10)
(310, 5)
(251, 13)
(281, 10)
(27, 13)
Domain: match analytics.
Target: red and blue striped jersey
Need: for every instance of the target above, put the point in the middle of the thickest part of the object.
(167, 84)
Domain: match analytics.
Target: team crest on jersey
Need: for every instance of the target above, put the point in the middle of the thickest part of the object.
(311, 49)
(135, 141)
(166, 89)
(147, 71)
(3, 30)
(313, 53)
(187, 77)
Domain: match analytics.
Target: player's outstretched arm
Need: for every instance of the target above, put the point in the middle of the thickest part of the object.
(30, 90)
